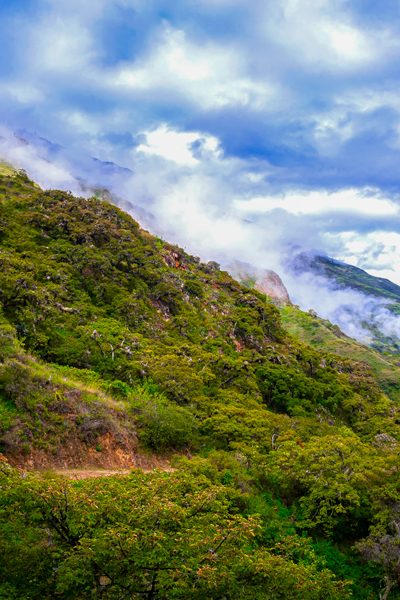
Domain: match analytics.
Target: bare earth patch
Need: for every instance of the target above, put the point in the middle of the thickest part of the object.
(89, 473)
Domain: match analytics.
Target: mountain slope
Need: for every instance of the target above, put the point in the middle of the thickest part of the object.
(113, 341)
(323, 335)
(350, 277)
(84, 286)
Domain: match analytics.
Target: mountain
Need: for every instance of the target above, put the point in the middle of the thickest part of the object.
(363, 316)
(347, 276)
(278, 461)
(364, 306)
(49, 151)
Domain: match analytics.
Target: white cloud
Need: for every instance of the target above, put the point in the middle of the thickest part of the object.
(177, 146)
(206, 74)
(377, 252)
(320, 34)
(364, 202)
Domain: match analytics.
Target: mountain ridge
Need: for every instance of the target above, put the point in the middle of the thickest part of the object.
(347, 276)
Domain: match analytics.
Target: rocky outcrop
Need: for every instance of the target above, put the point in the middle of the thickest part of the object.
(265, 281)
(272, 285)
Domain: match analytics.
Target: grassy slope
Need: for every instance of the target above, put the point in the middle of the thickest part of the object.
(50, 415)
(321, 334)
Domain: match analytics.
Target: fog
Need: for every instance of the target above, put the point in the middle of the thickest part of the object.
(196, 198)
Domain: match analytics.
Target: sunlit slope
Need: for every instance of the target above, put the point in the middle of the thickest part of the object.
(6, 169)
(322, 334)
(83, 287)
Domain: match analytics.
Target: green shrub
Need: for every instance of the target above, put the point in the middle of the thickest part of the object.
(165, 426)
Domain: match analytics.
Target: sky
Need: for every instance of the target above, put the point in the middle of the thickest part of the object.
(245, 130)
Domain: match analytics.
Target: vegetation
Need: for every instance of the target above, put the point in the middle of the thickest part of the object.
(321, 334)
(285, 482)
(380, 292)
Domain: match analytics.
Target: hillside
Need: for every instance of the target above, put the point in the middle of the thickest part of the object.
(348, 276)
(322, 334)
(116, 346)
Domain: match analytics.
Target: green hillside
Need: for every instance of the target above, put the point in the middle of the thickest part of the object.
(348, 276)
(283, 478)
(322, 334)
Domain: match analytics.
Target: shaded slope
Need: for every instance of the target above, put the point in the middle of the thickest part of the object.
(350, 277)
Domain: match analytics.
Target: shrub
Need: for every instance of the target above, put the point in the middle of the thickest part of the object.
(165, 426)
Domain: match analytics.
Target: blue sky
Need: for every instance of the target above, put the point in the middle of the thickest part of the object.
(250, 128)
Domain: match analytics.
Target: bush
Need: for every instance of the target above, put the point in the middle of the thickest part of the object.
(165, 426)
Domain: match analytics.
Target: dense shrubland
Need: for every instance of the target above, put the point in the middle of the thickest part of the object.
(287, 483)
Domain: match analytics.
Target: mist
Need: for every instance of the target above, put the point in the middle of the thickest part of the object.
(355, 313)
(191, 194)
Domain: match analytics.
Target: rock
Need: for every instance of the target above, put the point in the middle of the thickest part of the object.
(265, 281)
(384, 439)
(272, 285)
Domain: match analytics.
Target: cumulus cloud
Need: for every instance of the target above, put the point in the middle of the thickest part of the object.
(183, 148)
(209, 74)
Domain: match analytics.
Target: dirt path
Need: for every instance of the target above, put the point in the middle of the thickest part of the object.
(88, 473)
(74, 466)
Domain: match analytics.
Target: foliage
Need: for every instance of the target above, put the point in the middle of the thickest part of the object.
(163, 425)
(168, 536)
(111, 337)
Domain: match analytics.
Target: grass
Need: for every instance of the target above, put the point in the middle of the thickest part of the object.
(6, 169)
(322, 334)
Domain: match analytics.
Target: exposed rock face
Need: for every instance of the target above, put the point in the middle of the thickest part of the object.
(272, 285)
(265, 281)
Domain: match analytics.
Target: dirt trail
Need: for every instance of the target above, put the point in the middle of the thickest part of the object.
(89, 473)
(76, 462)
(143, 463)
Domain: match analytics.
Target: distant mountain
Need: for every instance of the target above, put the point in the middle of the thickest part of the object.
(49, 151)
(348, 276)
(373, 304)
